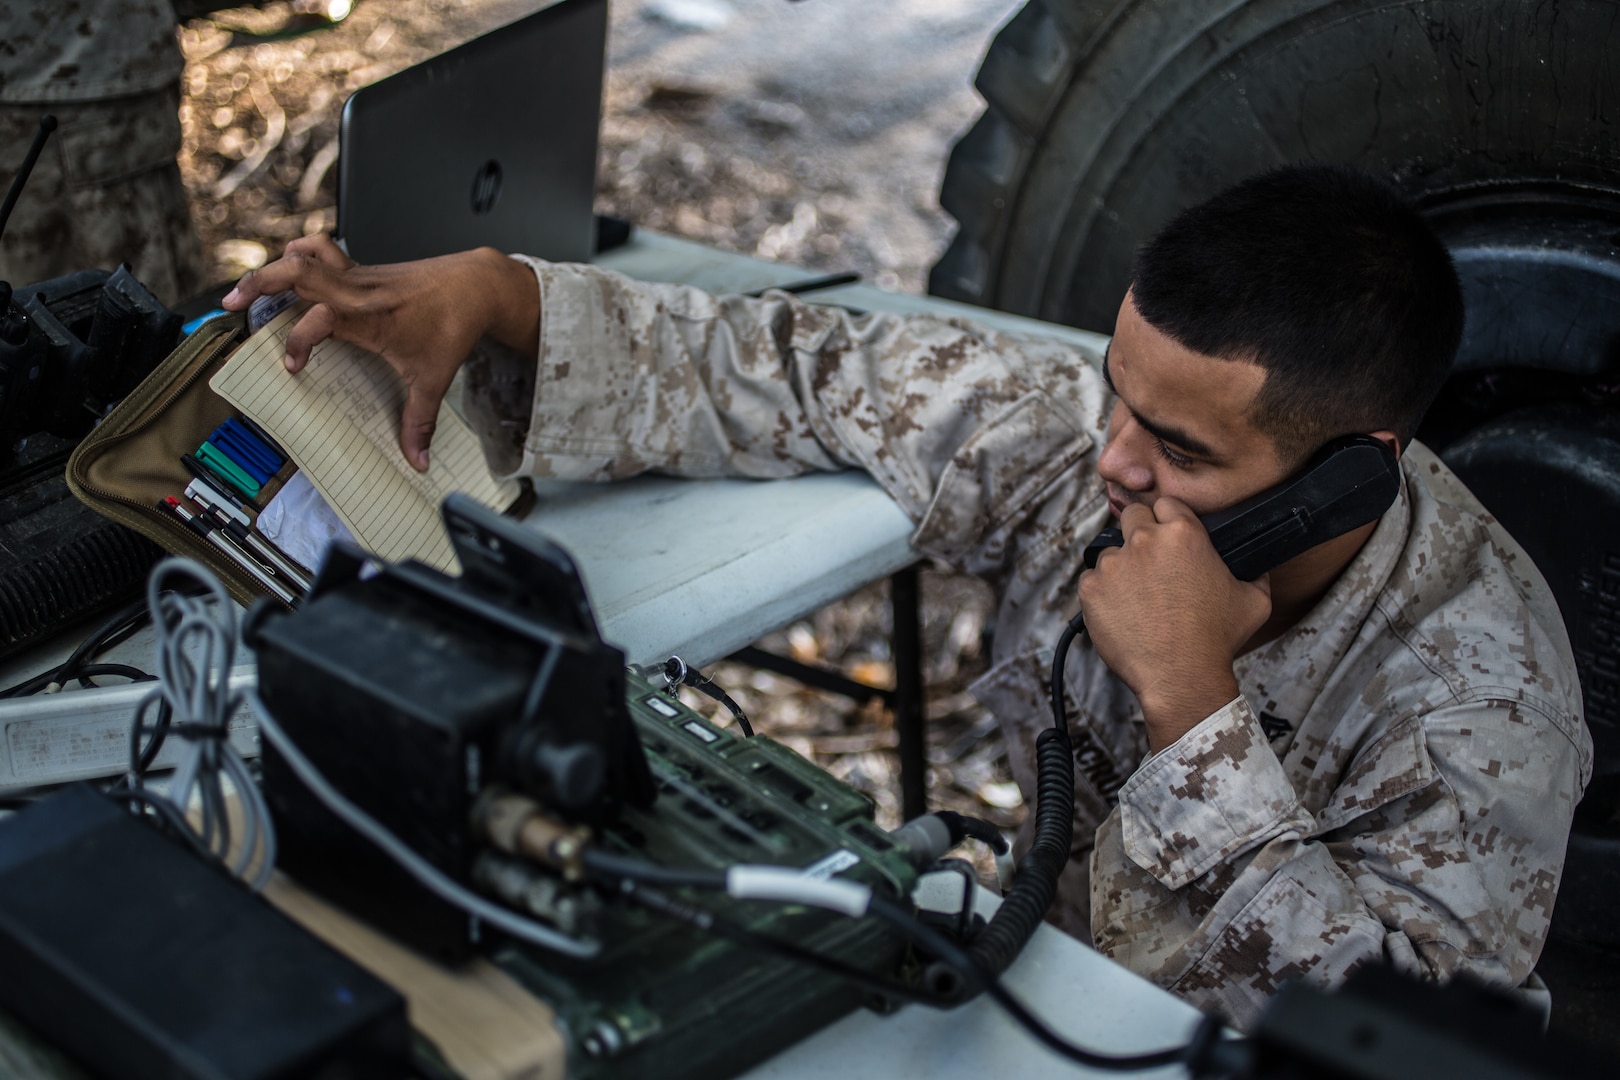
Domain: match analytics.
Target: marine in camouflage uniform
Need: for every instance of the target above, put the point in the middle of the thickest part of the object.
(107, 189)
(1396, 778)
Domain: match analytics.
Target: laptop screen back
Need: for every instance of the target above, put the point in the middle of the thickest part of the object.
(493, 142)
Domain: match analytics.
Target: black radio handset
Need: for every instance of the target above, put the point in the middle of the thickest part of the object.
(1349, 483)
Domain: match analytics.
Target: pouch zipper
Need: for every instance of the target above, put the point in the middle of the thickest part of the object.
(138, 515)
(160, 404)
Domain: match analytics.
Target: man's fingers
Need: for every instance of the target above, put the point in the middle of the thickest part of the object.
(308, 276)
(322, 248)
(1168, 508)
(1134, 517)
(418, 421)
(314, 327)
(273, 277)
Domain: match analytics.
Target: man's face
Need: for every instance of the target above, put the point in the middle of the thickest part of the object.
(1181, 424)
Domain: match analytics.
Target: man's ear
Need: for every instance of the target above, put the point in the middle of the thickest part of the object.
(1389, 439)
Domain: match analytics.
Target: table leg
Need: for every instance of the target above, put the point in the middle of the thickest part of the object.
(905, 596)
(905, 700)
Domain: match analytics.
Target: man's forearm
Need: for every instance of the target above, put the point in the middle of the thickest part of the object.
(635, 376)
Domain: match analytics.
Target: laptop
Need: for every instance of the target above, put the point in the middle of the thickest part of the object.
(493, 142)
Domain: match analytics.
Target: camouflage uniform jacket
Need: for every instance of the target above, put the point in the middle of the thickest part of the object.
(86, 50)
(1398, 775)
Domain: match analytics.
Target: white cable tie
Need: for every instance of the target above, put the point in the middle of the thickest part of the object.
(793, 886)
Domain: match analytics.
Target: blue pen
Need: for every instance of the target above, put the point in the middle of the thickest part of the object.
(240, 460)
(225, 443)
(239, 436)
(264, 436)
(225, 437)
(271, 454)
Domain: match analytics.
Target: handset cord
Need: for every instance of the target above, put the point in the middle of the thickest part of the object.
(1025, 904)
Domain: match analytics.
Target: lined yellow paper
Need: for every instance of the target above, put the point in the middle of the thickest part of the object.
(339, 420)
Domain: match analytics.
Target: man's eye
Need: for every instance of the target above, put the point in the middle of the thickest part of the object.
(1180, 461)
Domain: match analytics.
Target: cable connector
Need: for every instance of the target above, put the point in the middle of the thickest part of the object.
(962, 827)
(796, 887)
(519, 826)
(678, 673)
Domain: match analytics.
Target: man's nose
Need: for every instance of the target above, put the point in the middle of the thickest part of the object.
(1123, 460)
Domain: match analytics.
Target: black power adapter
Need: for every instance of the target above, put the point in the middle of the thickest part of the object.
(140, 959)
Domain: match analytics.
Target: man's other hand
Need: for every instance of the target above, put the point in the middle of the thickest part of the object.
(422, 317)
(1167, 616)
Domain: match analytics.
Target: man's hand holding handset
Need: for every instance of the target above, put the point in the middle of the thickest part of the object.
(1167, 616)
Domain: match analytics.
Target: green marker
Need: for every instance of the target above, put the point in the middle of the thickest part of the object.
(228, 469)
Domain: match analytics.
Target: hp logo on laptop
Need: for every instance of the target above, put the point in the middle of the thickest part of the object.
(486, 187)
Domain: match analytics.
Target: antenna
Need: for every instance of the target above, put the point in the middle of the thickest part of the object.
(47, 124)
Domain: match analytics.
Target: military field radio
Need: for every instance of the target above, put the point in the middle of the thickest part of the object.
(70, 348)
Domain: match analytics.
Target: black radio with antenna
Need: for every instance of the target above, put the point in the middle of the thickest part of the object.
(70, 348)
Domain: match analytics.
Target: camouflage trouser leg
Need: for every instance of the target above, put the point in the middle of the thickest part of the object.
(105, 191)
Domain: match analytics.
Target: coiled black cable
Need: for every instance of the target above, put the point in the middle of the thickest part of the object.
(1033, 890)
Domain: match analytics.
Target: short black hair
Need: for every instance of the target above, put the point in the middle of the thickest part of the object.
(1329, 279)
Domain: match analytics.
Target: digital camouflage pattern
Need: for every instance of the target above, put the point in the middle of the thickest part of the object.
(1398, 775)
(107, 189)
(86, 50)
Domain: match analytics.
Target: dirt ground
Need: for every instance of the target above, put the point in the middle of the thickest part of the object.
(812, 133)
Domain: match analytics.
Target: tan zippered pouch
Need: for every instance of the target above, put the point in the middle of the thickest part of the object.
(131, 462)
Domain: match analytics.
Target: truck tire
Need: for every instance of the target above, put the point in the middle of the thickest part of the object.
(1104, 117)
(1501, 118)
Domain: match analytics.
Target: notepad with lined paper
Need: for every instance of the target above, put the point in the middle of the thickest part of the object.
(339, 420)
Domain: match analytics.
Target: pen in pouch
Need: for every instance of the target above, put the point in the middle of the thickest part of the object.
(205, 494)
(244, 448)
(239, 547)
(266, 551)
(225, 467)
(220, 483)
(228, 443)
(268, 450)
(264, 436)
(240, 460)
(210, 531)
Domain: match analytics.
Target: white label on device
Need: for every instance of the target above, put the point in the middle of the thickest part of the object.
(659, 705)
(40, 748)
(63, 747)
(700, 731)
(68, 744)
(836, 863)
